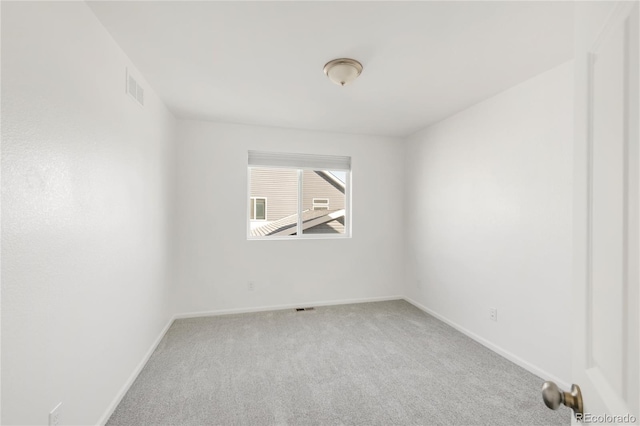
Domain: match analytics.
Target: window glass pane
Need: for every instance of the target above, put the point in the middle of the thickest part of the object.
(327, 214)
(320, 204)
(276, 201)
(260, 208)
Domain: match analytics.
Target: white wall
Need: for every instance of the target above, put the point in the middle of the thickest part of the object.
(215, 260)
(488, 220)
(86, 196)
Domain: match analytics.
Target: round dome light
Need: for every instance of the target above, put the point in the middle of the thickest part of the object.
(343, 71)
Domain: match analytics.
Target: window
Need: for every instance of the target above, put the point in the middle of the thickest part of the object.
(258, 208)
(308, 196)
(321, 204)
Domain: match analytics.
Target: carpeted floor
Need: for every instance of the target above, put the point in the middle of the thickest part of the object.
(385, 363)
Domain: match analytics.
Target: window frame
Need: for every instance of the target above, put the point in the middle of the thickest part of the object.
(254, 209)
(323, 206)
(301, 235)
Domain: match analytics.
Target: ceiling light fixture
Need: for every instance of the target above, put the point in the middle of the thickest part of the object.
(343, 71)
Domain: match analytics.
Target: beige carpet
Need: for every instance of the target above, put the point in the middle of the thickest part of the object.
(384, 363)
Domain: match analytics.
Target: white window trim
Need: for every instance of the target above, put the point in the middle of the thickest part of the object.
(323, 206)
(348, 228)
(299, 232)
(266, 203)
(298, 161)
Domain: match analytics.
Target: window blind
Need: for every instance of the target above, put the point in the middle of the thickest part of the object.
(299, 161)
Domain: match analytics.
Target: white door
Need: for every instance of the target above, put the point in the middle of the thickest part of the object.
(606, 328)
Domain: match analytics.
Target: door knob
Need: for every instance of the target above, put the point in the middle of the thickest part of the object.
(553, 397)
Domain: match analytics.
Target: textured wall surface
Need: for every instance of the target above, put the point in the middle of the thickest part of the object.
(214, 259)
(489, 220)
(86, 196)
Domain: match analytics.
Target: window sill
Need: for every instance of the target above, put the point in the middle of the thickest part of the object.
(302, 237)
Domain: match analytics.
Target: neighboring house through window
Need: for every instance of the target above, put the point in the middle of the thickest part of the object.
(258, 208)
(308, 195)
(321, 204)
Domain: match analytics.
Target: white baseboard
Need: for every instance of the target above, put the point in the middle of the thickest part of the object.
(134, 375)
(495, 348)
(287, 306)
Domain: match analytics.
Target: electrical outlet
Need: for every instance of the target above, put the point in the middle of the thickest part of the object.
(493, 314)
(54, 416)
(251, 286)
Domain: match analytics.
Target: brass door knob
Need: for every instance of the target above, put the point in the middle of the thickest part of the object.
(553, 397)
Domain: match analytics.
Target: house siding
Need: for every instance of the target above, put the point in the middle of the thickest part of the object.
(315, 186)
(280, 188)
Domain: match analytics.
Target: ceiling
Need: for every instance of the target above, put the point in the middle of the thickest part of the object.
(261, 62)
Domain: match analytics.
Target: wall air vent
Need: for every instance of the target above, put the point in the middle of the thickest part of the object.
(133, 88)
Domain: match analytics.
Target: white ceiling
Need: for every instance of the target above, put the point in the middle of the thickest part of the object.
(261, 62)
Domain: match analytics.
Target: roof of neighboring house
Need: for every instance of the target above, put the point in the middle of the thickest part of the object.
(287, 225)
(332, 180)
